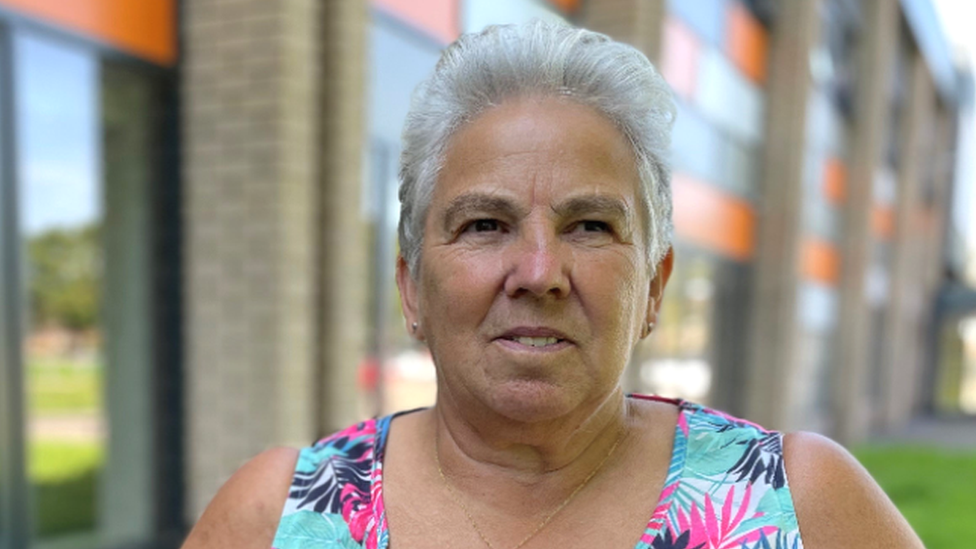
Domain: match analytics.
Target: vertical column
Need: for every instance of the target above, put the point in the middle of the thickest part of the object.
(125, 512)
(250, 177)
(343, 256)
(932, 254)
(878, 42)
(636, 22)
(901, 339)
(943, 151)
(297, 211)
(772, 345)
(15, 517)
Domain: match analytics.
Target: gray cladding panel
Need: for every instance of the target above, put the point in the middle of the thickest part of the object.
(400, 58)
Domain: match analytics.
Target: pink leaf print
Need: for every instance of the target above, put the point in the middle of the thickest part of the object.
(372, 540)
(745, 505)
(711, 521)
(711, 531)
(376, 520)
(699, 534)
(660, 515)
(727, 509)
(376, 492)
(363, 428)
(683, 423)
(354, 511)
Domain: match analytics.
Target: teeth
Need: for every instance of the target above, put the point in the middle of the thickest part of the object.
(537, 341)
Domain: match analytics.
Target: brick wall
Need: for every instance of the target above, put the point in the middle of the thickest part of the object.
(250, 176)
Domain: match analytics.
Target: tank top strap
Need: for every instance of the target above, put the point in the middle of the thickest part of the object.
(732, 490)
(333, 500)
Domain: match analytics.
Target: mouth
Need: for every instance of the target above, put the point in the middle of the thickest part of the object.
(534, 339)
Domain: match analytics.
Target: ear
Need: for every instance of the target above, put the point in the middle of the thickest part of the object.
(656, 294)
(408, 298)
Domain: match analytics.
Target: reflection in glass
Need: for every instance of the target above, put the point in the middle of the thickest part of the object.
(56, 124)
(677, 361)
(967, 379)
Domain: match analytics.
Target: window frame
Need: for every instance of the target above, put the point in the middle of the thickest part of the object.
(16, 517)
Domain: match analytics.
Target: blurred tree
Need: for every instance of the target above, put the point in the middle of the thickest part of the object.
(65, 270)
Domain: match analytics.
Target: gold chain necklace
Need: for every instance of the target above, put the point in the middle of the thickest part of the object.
(457, 498)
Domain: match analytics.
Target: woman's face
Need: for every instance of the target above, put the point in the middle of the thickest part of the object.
(533, 286)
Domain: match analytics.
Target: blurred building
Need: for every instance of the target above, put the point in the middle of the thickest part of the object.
(198, 211)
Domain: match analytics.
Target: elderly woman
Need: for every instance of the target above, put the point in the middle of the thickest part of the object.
(535, 236)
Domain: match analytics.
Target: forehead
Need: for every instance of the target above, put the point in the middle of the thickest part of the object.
(539, 144)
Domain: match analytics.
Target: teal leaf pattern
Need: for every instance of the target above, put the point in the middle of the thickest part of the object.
(726, 488)
(308, 529)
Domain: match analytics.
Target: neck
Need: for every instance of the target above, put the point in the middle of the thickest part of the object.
(472, 441)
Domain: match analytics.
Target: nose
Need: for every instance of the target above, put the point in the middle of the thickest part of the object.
(539, 265)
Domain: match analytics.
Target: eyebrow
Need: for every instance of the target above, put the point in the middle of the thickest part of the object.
(472, 203)
(596, 204)
(478, 203)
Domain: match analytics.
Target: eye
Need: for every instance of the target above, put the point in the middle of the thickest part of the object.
(593, 227)
(483, 226)
(591, 232)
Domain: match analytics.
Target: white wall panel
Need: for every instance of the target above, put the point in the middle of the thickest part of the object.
(876, 285)
(728, 99)
(818, 307)
(696, 147)
(885, 186)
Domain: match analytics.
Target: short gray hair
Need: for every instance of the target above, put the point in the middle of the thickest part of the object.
(482, 70)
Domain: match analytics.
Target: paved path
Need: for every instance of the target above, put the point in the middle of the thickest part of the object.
(69, 427)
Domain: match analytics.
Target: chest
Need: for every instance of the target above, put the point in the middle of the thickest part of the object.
(725, 486)
(612, 512)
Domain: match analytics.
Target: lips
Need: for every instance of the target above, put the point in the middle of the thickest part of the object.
(537, 337)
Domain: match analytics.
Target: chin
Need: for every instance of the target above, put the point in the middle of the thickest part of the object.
(532, 400)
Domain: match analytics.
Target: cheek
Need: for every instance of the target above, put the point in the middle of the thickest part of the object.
(461, 286)
(613, 289)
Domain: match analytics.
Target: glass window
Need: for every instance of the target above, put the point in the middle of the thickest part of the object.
(56, 98)
(677, 360)
(87, 134)
(398, 372)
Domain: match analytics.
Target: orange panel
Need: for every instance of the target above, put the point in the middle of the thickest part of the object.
(820, 262)
(883, 222)
(712, 219)
(439, 18)
(747, 42)
(835, 181)
(567, 6)
(144, 28)
(679, 60)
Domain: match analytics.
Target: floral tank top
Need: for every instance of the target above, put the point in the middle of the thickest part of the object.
(726, 488)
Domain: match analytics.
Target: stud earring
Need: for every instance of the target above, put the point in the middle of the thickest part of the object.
(413, 327)
(648, 329)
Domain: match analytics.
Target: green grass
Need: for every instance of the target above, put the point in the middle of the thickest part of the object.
(53, 461)
(64, 483)
(935, 489)
(64, 474)
(55, 387)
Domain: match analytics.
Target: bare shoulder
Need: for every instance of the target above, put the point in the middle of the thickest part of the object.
(245, 511)
(837, 502)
